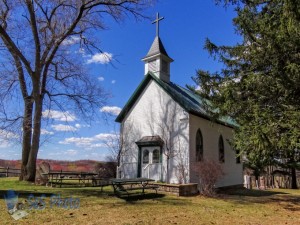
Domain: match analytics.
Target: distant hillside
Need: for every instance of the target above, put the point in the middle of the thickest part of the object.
(79, 165)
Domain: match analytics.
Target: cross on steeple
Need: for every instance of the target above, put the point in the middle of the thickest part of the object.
(157, 23)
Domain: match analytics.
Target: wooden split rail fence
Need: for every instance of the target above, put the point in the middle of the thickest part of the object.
(9, 172)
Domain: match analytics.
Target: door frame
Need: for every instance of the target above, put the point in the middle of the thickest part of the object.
(148, 141)
(150, 149)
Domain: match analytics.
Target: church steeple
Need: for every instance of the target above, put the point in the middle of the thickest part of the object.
(157, 60)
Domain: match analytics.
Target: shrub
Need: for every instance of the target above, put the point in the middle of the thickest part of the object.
(208, 172)
(106, 169)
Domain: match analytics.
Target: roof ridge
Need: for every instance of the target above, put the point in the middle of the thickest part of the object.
(184, 97)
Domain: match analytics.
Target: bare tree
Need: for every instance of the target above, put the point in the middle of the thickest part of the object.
(38, 69)
(115, 143)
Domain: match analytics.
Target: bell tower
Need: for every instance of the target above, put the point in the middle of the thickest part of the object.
(157, 60)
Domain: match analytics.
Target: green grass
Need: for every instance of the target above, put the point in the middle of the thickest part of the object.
(278, 206)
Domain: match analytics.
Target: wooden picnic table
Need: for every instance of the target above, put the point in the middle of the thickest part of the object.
(57, 177)
(123, 186)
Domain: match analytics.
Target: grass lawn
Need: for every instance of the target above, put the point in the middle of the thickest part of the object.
(278, 206)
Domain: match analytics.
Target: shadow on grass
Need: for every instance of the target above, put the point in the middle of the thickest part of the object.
(64, 192)
(83, 192)
(131, 198)
(153, 198)
(249, 192)
(246, 196)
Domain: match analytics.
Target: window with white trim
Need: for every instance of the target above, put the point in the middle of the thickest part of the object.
(221, 150)
(199, 146)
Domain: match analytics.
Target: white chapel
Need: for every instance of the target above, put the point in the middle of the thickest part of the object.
(165, 130)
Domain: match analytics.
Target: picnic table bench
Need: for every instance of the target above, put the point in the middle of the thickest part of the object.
(100, 182)
(124, 186)
(59, 177)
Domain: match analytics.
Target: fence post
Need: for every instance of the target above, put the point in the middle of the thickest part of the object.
(7, 168)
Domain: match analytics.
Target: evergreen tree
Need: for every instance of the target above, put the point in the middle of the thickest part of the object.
(259, 86)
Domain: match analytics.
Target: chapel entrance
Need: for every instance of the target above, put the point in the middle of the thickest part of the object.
(150, 157)
(151, 162)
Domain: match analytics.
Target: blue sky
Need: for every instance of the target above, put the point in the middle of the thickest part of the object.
(183, 32)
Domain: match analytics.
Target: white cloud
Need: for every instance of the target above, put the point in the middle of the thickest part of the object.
(78, 125)
(99, 145)
(63, 127)
(81, 51)
(114, 110)
(78, 141)
(71, 40)
(104, 136)
(6, 138)
(44, 131)
(4, 143)
(101, 58)
(7, 135)
(97, 141)
(113, 81)
(55, 154)
(101, 78)
(71, 152)
(59, 115)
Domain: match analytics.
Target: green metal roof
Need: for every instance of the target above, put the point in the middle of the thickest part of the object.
(188, 100)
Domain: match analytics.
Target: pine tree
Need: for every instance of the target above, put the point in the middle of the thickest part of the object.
(259, 86)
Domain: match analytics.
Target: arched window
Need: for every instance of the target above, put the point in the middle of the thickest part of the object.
(238, 157)
(155, 156)
(221, 150)
(199, 146)
(145, 156)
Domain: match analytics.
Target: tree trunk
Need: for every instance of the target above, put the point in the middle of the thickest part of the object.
(31, 135)
(27, 134)
(35, 143)
(294, 178)
(293, 170)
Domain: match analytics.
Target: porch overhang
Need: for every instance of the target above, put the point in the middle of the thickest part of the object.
(150, 141)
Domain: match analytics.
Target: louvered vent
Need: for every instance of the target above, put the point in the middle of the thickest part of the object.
(164, 66)
(153, 66)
